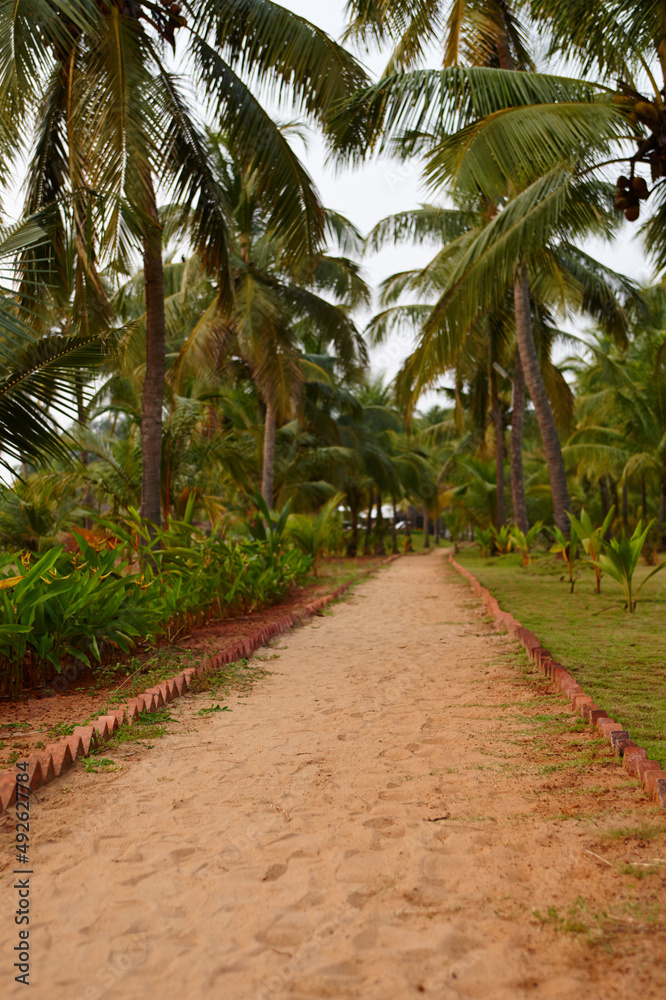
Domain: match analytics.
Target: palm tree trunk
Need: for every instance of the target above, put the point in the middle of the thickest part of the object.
(368, 527)
(537, 390)
(499, 463)
(394, 527)
(603, 492)
(379, 523)
(153, 386)
(662, 511)
(352, 545)
(81, 416)
(521, 291)
(517, 425)
(426, 528)
(268, 467)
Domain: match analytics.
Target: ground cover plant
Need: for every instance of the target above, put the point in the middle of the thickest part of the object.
(97, 603)
(618, 658)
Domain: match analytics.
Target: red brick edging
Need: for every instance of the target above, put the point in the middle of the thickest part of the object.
(49, 764)
(635, 758)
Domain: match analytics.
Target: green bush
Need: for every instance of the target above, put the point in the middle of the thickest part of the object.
(128, 586)
(317, 534)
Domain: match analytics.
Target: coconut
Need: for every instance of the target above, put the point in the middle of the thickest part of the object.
(639, 186)
(622, 202)
(646, 110)
(632, 213)
(623, 182)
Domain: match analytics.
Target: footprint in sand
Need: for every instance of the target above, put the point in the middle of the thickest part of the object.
(379, 822)
(274, 872)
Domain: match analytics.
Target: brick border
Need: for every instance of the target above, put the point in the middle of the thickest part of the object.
(634, 758)
(51, 763)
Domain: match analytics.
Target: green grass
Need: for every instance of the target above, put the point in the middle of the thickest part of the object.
(617, 657)
(138, 675)
(238, 677)
(95, 765)
(147, 727)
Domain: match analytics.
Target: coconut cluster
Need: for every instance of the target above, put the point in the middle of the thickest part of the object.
(630, 193)
(164, 22)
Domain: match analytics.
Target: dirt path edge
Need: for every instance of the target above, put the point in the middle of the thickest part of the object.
(59, 757)
(633, 756)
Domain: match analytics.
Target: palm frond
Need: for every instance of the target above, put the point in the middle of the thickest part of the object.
(263, 39)
(286, 189)
(196, 187)
(427, 224)
(34, 384)
(441, 102)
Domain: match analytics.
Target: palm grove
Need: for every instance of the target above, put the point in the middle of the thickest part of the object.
(177, 295)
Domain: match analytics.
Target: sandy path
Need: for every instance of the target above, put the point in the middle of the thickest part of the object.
(358, 826)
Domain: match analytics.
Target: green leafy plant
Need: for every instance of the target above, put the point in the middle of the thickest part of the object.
(317, 534)
(524, 542)
(620, 558)
(93, 765)
(126, 587)
(212, 709)
(502, 539)
(591, 539)
(265, 527)
(568, 549)
(484, 539)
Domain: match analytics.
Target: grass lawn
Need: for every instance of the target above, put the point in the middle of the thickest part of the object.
(620, 659)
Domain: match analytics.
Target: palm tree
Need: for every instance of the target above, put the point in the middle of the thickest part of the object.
(279, 308)
(108, 119)
(419, 110)
(478, 354)
(622, 409)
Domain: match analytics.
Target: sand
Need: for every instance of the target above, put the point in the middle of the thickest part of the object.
(379, 818)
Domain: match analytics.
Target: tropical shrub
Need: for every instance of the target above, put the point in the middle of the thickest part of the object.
(524, 542)
(455, 521)
(502, 539)
(266, 527)
(484, 539)
(96, 603)
(317, 534)
(620, 558)
(592, 539)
